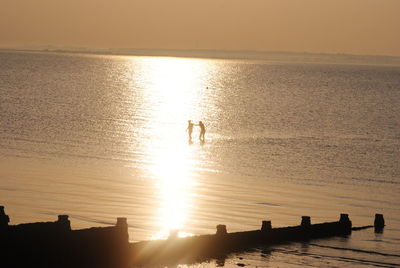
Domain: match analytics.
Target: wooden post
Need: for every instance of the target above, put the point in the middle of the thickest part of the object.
(266, 226)
(344, 218)
(122, 225)
(122, 222)
(4, 219)
(305, 221)
(345, 223)
(221, 229)
(64, 222)
(379, 222)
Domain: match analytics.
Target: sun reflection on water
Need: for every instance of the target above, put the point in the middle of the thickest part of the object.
(172, 99)
(175, 185)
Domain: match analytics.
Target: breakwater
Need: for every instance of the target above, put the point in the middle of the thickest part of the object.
(55, 244)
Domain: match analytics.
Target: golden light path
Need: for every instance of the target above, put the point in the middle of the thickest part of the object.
(172, 99)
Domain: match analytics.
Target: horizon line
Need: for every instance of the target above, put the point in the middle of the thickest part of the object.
(191, 53)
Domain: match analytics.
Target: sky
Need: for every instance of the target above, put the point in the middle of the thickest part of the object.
(370, 27)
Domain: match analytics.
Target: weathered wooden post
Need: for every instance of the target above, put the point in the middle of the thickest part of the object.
(379, 222)
(221, 229)
(344, 218)
(266, 226)
(122, 222)
(4, 219)
(305, 221)
(345, 223)
(122, 225)
(64, 222)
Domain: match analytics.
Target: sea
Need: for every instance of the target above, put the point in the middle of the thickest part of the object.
(98, 137)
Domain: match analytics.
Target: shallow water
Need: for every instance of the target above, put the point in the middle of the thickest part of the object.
(98, 137)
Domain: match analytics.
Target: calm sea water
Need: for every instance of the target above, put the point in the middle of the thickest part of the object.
(99, 137)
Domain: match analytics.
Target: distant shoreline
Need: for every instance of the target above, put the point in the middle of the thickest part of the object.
(279, 56)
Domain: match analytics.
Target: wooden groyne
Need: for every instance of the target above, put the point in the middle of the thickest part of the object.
(55, 244)
(212, 246)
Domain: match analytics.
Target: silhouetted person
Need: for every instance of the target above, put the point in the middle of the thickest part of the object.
(190, 129)
(202, 131)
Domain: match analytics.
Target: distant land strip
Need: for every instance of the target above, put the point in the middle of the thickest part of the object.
(279, 56)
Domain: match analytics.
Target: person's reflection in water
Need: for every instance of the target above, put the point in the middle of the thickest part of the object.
(190, 130)
(202, 131)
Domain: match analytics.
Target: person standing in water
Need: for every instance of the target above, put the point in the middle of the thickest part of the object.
(202, 131)
(190, 129)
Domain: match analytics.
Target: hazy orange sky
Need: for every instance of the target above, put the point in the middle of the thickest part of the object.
(323, 26)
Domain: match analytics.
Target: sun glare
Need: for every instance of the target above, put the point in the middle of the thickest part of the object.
(172, 99)
(175, 183)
